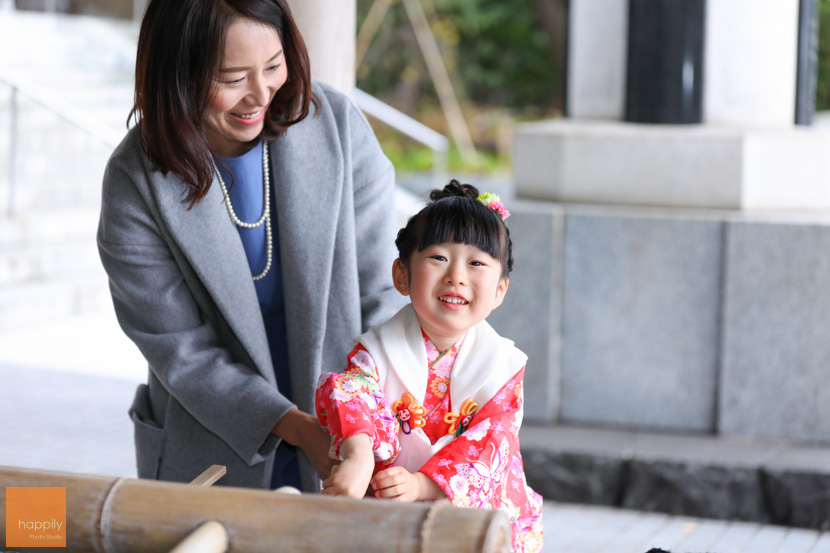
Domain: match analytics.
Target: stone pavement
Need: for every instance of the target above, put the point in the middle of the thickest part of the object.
(65, 388)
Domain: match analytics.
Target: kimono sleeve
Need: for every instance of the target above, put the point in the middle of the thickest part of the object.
(352, 403)
(483, 468)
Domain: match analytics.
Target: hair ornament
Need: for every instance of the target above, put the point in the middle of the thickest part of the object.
(493, 202)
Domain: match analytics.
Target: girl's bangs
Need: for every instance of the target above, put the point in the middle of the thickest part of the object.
(460, 224)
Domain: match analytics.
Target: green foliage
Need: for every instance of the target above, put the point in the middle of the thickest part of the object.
(410, 157)
(393, 62)
(499, 59)
(502, 56)
(495, 50)
(823, 84)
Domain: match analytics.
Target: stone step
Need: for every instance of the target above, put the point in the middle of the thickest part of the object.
(63, 166)
(48, 226)
(682, 474)
(49, 265)
(20, 264)
(106, 102)
(37, 301)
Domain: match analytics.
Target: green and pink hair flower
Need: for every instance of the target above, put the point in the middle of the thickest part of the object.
(493, 202)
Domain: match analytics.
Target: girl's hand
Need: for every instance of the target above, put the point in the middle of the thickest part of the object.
(351, 477)
(398, 484)
(304, 431)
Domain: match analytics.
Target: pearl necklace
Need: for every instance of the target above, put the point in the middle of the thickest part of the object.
(266, 210)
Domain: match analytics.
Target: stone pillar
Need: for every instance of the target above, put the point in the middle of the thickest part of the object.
(139, 7)
(663, 317)
(748, 154)
(597, 58)
(751, 54)
(328, 28)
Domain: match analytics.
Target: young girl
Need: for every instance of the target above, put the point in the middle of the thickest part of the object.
(430, 404)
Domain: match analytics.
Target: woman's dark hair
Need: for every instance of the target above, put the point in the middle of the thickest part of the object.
(455, 215)
(180, 51)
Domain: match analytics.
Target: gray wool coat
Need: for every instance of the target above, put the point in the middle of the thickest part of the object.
(184, 294)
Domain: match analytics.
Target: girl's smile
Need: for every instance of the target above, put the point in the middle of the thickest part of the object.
(452, 287)
(453, 300)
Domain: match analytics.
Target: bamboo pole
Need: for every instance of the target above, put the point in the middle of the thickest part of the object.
(369, 28)
(125, 515)
(210, 537)
(441, 79)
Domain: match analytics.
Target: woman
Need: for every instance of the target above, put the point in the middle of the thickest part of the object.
(238, 299)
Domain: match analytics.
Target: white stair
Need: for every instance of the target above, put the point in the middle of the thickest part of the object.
(49, 264)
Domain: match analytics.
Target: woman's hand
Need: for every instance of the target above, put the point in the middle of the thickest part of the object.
(304, 431)
(351, 477)
(398, 484)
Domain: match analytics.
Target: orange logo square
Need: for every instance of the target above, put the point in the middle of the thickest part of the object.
(35, 517)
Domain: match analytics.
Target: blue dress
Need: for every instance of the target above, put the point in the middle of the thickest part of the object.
(243, 178)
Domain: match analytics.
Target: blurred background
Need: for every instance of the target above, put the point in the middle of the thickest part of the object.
(667, 169)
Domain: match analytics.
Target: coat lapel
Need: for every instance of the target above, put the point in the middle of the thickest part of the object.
(210, 242)
(308, 175)
(308, 184)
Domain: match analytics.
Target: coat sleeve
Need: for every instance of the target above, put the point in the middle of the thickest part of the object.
(175, 333)
(483, 468)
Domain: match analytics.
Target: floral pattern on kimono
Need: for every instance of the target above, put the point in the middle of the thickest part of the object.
(362, 408)
(482, 468)
(352, 403)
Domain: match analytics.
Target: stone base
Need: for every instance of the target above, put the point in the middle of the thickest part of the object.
(700, 166)
(666, 319)
(709, 477)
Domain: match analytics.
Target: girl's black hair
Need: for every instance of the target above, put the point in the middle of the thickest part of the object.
(455, 215)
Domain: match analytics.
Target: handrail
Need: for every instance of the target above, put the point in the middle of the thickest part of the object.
(385, 113)
(55, 104)
(400, 121)
(438, 143)
(61, 107)
(369, 104)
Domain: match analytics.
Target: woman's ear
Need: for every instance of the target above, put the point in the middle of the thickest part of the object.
(501, 290)
(400, 277)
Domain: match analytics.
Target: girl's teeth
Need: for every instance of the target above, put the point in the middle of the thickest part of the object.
(249, 116)
(452, 300)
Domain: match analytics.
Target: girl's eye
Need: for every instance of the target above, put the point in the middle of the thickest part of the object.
(477, 264)
(237, 81)
(438, 257)
(273, 68)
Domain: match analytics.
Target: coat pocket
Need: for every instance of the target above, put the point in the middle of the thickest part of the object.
(149, 436)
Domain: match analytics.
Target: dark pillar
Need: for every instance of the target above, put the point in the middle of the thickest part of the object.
(664, 80)
(806, 76)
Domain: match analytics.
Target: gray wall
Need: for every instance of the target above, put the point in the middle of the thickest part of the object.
(710, 322)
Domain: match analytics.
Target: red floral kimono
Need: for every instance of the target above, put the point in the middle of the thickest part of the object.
(461, 433)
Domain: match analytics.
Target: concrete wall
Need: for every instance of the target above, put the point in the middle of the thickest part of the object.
(711, 322)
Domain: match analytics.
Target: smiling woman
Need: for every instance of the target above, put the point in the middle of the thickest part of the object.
(246, 84)
(204, 225)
